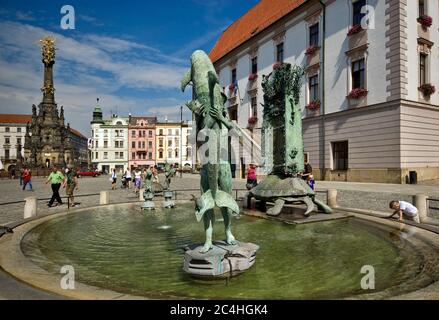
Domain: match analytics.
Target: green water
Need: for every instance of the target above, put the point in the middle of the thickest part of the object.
(140, 253)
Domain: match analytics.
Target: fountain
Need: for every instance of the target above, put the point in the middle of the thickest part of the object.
(167, 192)
(213, 259)
(282, 128)
(148, 194)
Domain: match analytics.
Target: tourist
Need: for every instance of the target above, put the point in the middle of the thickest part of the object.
(128, 178)
(404, 209)
(308, 176)
(55, 179)
(137, 180)
(113, 179)
(155, 173)
(27, 179)
(70, 183)
(252, 180)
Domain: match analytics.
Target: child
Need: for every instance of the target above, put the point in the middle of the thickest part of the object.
(406, 209)
(251, 177)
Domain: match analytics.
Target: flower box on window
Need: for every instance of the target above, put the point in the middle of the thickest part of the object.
(252, 77)
(427, 89)
(277, 65)
(357, 93)
(354, 30)
(425, 21)
(314, 105)
(252, 120)
(311, 50)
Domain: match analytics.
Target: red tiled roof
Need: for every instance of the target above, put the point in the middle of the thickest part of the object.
(77, 133)
(15, 118)
(251, 23)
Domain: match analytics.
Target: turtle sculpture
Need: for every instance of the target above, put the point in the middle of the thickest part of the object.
(283, 144)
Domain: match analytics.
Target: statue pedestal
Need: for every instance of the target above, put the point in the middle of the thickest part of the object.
(168, 203)
(148, 204)
(221, 261)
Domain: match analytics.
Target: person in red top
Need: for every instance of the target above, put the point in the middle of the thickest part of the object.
(252, 179)
(27, 179)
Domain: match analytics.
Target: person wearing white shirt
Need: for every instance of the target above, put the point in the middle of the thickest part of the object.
(128, 178)
(404, 209)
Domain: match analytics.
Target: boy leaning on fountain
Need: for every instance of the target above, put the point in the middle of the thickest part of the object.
(406, 209)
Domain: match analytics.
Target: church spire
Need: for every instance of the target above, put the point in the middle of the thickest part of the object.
(48, 57)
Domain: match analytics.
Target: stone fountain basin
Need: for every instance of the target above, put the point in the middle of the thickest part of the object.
(282, 272)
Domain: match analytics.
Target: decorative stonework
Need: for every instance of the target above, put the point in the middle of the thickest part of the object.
(253, 52)
(313, 18)
(396, 45)
(279, 37)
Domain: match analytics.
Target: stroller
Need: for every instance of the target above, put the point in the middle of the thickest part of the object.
(124, 182)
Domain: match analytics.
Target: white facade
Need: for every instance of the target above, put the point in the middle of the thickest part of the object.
(109, 144)
(11, 135)
(397, 132)
(173, 143)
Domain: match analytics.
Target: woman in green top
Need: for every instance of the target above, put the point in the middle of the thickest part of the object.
(55, 179)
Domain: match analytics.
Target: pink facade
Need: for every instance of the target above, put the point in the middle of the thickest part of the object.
(141, 142)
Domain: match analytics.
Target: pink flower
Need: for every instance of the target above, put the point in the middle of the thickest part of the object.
(277, 65)
(425, 21)
(252, 120)
(357, 93)
(311, 50)
(314, 105)
(354, 29)
(427, 89)
(252, 77)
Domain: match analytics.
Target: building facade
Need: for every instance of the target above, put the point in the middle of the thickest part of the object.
(370, 110)
(173, 143)
(141, 141)
(12, 134)
(108, 144)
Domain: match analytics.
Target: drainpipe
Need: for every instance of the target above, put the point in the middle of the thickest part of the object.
(322, 59)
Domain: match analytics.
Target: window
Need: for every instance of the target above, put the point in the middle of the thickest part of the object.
(133, 155)
(169, 153)
(18, 140)
(105, 144)
(161, 154)
(150, 134)
(121, 155)
(169, 132)
(177, 132)
(161, 132)
(149, 155)
(421, 7)
(177, 142)
(144, 133)
(255, 65)
(133, 144)
(144, 156)
(161, 143)
(97, 155)
(118, 144)
(340, 155)
(234, 76)
(254, 107)
(7, 140)
(105, 133)
(169, 142)
(280, 52)
(314, 35)
(7, 129)
(358, 74)
(6, 154)
(422, 69)
(139, 144)
(357, 15)
(313, 88)
(149, 144)
(105, 155)
(176, 153)
(18, 130)
(133, 133)
(143, 144)
(96, 144)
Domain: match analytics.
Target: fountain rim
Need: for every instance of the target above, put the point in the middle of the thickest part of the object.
(15, 264)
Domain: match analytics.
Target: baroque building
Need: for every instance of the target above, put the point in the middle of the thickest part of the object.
(47, 138)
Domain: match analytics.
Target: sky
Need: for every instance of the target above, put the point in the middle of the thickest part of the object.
(129, 54)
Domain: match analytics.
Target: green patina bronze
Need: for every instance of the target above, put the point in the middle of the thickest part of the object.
(207, 106)
(169, 173)
(282, 129)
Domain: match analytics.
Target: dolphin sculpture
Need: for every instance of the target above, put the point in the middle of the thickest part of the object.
(216, 179)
